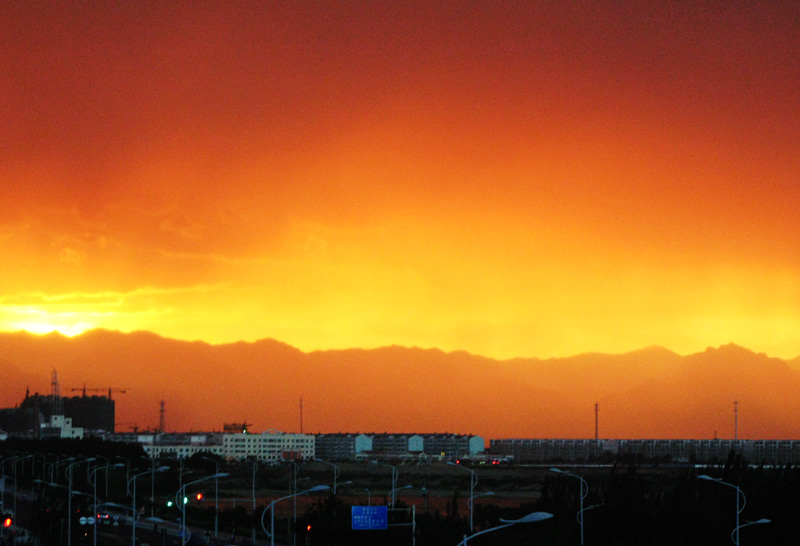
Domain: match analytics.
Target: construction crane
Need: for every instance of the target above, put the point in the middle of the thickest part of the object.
(133, 426)
(110, 390)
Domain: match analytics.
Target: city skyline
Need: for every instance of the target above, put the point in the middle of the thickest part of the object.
(512, 179)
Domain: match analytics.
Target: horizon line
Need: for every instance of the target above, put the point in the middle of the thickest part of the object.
(59, 334)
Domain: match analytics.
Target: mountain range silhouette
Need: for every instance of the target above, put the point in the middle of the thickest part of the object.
(648, 393)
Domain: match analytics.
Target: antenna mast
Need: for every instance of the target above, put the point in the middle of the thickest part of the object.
(56, 389)
(596, 410)
(735, 419)
(301, 415)
(162, 413)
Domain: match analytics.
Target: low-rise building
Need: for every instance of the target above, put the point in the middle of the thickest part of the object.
(270, 446)
(352, 446)
(59, 426)
(541, 450)
(176, 445)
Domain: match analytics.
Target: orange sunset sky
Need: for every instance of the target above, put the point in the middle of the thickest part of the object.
(508, 178)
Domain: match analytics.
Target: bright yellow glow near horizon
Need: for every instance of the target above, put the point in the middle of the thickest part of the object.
(37, 321)
(539, 314)
(70, 330)
(45, 319)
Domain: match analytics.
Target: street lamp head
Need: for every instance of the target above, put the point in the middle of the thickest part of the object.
(530, 518)
(557, 470)
(160, 468)
(762, 520)
(707, 477)
(219, 475)
(317, 488)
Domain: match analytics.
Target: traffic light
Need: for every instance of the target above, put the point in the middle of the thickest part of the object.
(8, 521)
(169, 504)
(199, 498)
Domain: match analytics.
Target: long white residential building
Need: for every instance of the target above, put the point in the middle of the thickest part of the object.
(269, 447)
(350, 446)
(541, 450)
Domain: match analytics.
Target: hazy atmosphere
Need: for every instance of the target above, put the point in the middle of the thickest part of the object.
(512, 179)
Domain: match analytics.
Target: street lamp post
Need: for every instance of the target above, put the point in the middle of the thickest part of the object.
(584, 493)
(14, 462)
(473, 481)
(70, 493)
(93, 481)
(335, 473)
(394, 477)
(216, 500)
(741, 500)
(153, 487)
(69, 497)
(271, 509)
(127, 467)
(335, 485)
(216, 497)
(44, 465)
(255, 469)
(179, 499)
(292, 489)
(291, 535)
(472, 500)
(747, 523)
(530, 518)
(102, 461)
(133, 498)
(3, 482)
(394, 491)
(53, 468)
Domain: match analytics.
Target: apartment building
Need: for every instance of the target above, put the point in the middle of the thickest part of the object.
(352, 446)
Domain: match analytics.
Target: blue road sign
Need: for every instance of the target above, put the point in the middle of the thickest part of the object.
(369, 517)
